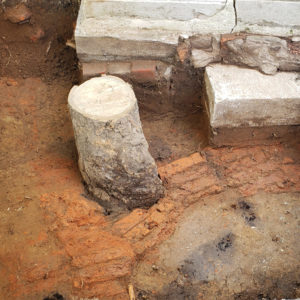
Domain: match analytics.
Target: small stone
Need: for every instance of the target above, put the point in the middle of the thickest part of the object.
(296, 39)
(11, 82)
(17, 14)
(201, 58)
(269, 69)
(201, 41)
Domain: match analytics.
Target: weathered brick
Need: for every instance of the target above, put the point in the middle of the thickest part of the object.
(189, 175)
(130, 221)
(183, 51)
(255, 169)
(138, 232)
(104, 290)
(229, 37)
(202, 41)
(180, 165)
(119, 68)
(144, 70)
(93, 69)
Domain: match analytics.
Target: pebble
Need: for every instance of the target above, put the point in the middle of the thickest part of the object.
(11, 82)
(18, 14)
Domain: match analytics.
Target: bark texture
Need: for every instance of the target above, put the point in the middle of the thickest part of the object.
(114, 159)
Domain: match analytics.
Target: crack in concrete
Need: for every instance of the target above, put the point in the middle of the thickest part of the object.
(235, 13)
(218, 11)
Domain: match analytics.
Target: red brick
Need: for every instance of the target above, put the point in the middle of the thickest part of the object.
(183, 52)
(130, 221)
(93, 69)
(144, 70)
(230, 36)
(180, 165)
(138, 232)
(260, 168)
(104, 290)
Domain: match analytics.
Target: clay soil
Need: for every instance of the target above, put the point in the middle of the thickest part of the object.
(227, 228)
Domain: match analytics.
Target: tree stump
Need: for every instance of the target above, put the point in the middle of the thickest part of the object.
(113, 153)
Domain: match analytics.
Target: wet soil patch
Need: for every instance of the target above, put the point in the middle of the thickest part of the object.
(247, 212)
(225, 243)
(55, 296)
(200, 266)
(216, 254)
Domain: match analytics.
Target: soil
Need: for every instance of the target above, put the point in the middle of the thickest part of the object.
(205, 258)
(51, 234)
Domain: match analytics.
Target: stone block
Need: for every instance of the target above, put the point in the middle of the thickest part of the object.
(18, 14)
(244, 97)
(202, 57)
(103, 48)
(201, 41)
(266, 53)
(283, 12)
(164, 9)
(268, 17)
(130, 36)
(149, 29)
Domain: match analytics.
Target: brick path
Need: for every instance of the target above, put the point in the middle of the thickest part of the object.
(103, 251)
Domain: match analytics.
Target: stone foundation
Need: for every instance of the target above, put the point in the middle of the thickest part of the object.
(145, 42)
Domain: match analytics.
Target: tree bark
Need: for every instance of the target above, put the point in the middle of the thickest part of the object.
(113, 153)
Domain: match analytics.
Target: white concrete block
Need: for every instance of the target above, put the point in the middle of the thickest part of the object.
(248, 98)
(154, 9)
(149, 29)
(277, 17)
(127, 37)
